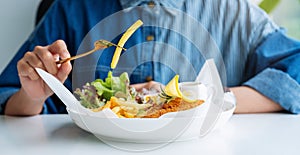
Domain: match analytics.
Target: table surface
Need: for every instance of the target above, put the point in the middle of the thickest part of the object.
(243, 134)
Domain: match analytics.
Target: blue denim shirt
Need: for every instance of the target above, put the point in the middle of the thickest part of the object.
(176, 38)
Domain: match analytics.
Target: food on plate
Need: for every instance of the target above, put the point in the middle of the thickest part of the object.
(174, 105)
(116, 94)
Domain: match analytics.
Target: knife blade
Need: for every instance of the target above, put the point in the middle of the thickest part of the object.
(59, 89)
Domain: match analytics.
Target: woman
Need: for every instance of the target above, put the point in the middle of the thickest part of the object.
(257, 58)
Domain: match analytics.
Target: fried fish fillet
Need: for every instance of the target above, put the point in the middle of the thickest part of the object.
(172, 106)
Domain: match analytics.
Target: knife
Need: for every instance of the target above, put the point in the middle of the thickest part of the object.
(59, 89)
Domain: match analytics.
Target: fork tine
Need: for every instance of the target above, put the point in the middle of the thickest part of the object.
(107, 43)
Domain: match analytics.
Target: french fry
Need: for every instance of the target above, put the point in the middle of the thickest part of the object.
(97, 109)
(116, 109)
(120, 116)
(113, 101)
(107, 105)
(122, 41)
(128, 115)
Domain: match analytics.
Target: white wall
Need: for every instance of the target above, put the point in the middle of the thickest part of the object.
(287, 15)
(16, 23)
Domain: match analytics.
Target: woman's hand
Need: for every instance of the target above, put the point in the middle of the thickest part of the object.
(148, 85)
(44, 58)
(34, 91)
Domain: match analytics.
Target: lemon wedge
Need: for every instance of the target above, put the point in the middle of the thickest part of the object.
(172, 89)
(122, 41)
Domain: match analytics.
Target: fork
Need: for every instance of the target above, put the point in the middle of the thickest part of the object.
(99, 44)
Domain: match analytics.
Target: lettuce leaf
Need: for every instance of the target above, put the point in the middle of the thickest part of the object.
(95, 94)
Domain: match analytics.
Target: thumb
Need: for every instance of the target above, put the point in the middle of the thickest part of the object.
(63, 71)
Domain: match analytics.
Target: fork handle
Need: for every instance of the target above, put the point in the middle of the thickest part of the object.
(76, 56)
(63, 60)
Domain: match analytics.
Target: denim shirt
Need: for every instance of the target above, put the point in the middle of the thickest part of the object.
(176, 38)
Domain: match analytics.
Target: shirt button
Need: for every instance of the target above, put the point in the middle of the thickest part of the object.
(150, 38)
(151, 4)
(149, 78)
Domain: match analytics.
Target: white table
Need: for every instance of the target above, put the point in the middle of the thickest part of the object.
(243, 134)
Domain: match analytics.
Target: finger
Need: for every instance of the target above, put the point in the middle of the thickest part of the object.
(26, 71)
(64, 71)
(155, 85)
(56, 57)
(33, 60)
(139, 86)
(148, 85)
(46, 58)
(59, 47)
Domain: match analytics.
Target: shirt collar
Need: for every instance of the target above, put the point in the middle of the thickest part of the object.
(167, 3)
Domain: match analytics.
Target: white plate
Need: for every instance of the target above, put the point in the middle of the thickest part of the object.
(152, 130)
(145, 130)
(179, 126)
